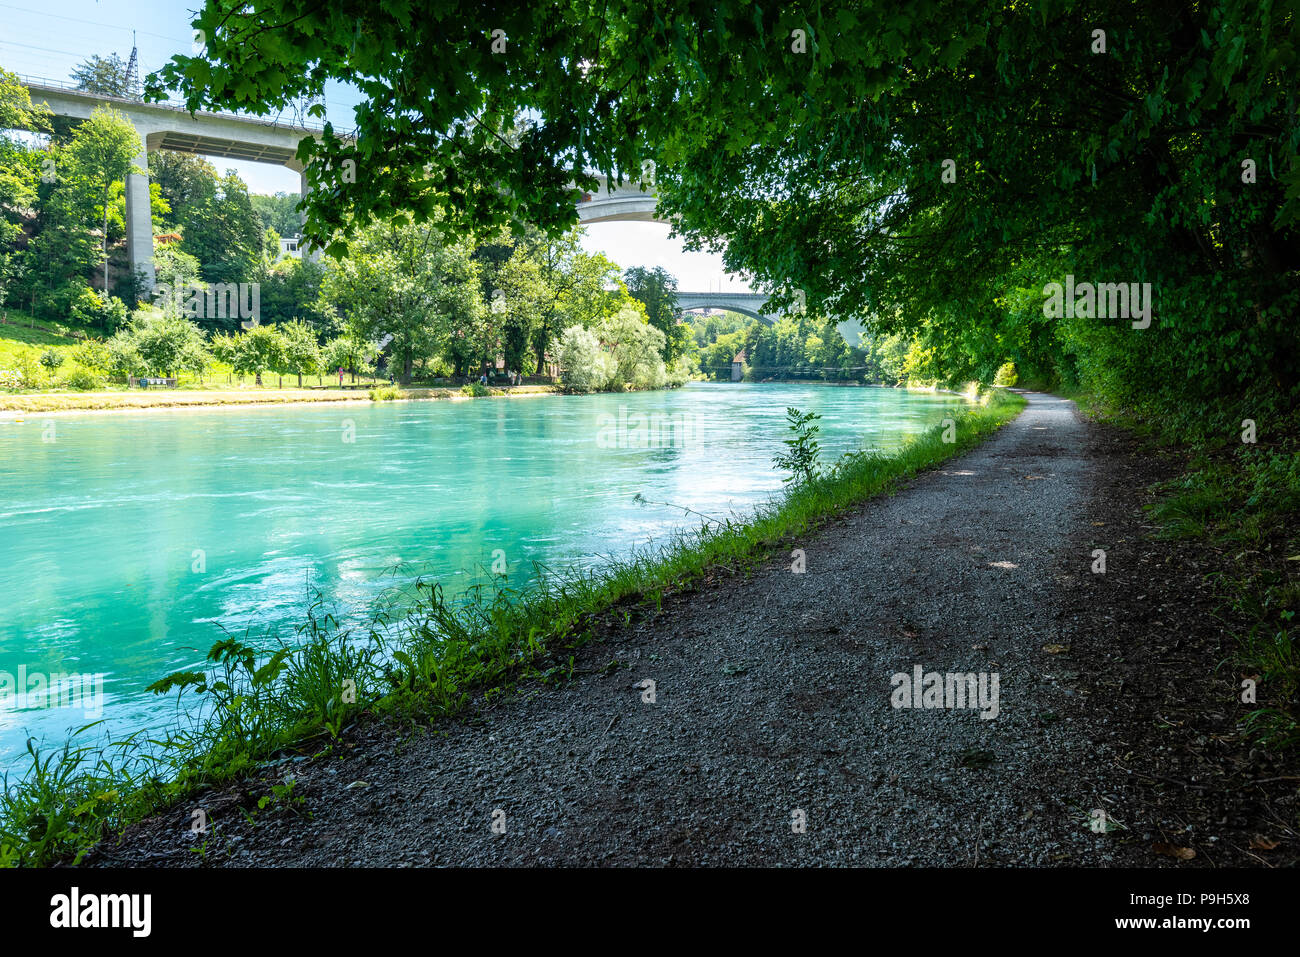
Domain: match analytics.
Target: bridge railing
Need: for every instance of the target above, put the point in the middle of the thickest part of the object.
(41, 82)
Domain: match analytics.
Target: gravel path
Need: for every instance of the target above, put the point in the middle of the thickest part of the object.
(772, 705)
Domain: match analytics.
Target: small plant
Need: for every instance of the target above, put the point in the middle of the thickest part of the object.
(385, 393)
(1006, 375)
(804, 456)
(281, 796)
(11, 380)
(476, 389)
(52, 359)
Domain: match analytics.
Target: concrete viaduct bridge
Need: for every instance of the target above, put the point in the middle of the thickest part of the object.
(167, 126)
(170, 126)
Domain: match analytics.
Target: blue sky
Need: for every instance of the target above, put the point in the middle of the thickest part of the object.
(48, 38)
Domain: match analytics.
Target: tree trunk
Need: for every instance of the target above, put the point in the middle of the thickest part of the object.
(406, 369)
(101, 318)
(541, 355)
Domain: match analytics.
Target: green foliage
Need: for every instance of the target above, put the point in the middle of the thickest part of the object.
(51, 359)
(105, 75)
(584, 365)
(419, 287)
(302, 353)
(92, 354)
(221, 229)
(175, 267)
(83, 380)
(291, 289)
(278, 212)
(620, 352)
(637, 348)
(803, 452)
(656, 289)
(159, 344)
(185, 180)
(259, 350)
(937, 200)
(97, 311)
(349, 354)
(475, 390)
(98, 157)
(794, 347)
(31, 374)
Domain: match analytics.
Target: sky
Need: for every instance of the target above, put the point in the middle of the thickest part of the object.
(48, 38)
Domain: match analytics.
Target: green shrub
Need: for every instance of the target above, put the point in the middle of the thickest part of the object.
(93, 354)
(51, 359)
(95, 309)
(61, 301)
(475, 389)
(30, 369)
(384, 393)
(83, 380)
(1006, 375)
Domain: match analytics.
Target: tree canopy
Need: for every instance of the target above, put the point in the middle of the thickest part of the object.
(930, 167)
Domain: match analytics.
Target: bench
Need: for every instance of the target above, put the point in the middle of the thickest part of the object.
(145, 382)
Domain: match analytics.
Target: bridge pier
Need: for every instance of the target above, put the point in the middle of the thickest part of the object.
(172, 127)
(139, 224)
(309, 252)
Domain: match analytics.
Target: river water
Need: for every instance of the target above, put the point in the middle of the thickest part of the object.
(128, 541)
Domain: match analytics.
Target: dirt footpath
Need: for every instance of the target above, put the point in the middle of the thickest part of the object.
(773, 739)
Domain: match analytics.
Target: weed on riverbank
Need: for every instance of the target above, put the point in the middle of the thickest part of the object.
(422, 656)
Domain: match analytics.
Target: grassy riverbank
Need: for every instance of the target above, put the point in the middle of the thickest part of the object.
(263, 700)
(122, 401)
(23, 340)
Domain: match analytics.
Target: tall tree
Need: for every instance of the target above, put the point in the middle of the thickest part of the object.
(99, 156)
(412, 286)
(279, 212)
(222, 230)
(185, 180)
(21, 168)
(106, 75)
(656, 289)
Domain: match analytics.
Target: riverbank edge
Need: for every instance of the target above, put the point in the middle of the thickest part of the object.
(86, 402)
(72, 800)
(173, 402)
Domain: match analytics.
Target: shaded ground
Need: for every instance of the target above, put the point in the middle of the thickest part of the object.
(773, 696)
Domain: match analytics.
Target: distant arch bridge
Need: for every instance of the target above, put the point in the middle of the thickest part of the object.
(750, 304)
